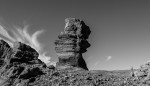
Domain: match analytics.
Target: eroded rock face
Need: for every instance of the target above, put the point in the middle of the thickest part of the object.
(19, 64)
(72, 43)
(24, 54)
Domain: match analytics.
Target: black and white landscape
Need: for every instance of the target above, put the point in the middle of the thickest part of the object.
(74, 43)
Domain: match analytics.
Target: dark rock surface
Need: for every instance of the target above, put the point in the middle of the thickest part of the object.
(19, 64)
(72, 43)
(5, 52)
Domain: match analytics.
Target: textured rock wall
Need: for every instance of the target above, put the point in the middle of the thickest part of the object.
(19, 65)
(72, 43)
(5, 51)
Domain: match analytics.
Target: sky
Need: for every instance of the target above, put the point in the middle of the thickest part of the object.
(120, 37)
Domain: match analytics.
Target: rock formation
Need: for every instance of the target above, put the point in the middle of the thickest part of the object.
(72, 43)
(19, 64)
(143, 73)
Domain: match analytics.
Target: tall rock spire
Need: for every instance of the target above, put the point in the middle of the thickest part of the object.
(72, 43)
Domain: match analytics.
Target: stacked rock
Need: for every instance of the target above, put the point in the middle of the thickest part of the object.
(72, 43)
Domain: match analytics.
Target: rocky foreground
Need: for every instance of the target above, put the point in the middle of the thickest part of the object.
(20, 66)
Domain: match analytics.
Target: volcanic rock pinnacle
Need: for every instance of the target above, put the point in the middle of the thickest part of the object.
(71, 43)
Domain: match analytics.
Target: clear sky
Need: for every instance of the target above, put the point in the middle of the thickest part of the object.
(120, 35)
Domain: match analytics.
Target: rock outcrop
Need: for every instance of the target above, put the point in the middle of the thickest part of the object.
(143, 73)
(19, 64)
(72, 43)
